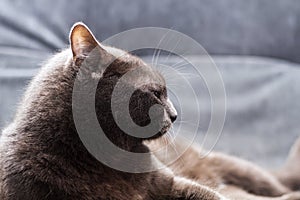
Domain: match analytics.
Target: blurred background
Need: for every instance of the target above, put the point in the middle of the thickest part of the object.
(255, 44)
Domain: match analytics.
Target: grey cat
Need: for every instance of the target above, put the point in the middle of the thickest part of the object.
(42, 156)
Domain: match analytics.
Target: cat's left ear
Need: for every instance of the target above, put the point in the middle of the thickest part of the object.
(82, 41)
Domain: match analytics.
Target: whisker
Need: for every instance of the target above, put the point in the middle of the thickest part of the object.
(182, 75)
(173, 84)
(173, 146)
(187, 122)
(157, 57)
(153, 56)
(167, 58)
(178, 63)
(181, 66)
(165, 146)
(170, 135)
(161, 71)
(157, 47)
(190, 75)
(181, 60)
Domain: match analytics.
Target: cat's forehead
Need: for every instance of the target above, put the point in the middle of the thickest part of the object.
(145, 73)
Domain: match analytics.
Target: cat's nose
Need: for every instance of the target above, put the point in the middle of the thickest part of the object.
(173, 118)
(172, 111)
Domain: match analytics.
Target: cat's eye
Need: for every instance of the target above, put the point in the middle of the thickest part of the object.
(157, 94)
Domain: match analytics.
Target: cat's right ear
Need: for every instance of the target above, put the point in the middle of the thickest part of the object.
(82, 42)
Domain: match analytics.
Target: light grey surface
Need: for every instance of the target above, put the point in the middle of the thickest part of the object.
(263, 107)
(256, 27)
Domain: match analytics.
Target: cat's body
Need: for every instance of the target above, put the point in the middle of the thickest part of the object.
(289, 175)
(234, 177)
(42, 156)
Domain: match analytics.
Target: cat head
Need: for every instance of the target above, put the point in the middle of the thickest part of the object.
(117, 70)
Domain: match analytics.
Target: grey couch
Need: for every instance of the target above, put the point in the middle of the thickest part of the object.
(261, 80)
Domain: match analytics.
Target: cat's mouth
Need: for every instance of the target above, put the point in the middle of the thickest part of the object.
(166, 125)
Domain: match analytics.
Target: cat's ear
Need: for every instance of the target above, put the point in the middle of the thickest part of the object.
(82, 40)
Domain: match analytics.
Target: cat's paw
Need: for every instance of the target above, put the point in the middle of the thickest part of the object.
(224, 198)
(291, 196)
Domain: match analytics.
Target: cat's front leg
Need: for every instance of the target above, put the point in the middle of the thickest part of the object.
(167, 186)
(187, 189)
(179, 188)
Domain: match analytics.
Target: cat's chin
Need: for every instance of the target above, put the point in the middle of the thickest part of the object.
(158, 135)
(163, 131)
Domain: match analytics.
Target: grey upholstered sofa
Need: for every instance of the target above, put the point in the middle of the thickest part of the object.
(255, 44)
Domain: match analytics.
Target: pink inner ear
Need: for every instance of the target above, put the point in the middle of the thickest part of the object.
(82, 48)
(82, 40)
